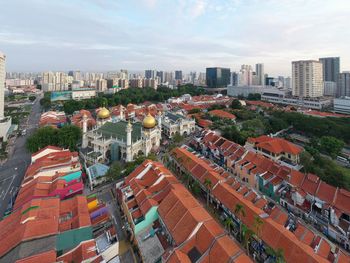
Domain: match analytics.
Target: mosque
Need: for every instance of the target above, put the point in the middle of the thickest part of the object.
(119, 140)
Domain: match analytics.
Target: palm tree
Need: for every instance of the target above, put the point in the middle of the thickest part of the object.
(207, 184)
(240, 212)
(228, 224)
(279, 254)
(258, 222)
(247, 234)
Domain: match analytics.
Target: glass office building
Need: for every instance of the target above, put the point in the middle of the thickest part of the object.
(218, 78)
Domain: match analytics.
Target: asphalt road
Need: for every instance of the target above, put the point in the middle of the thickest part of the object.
(12, 171)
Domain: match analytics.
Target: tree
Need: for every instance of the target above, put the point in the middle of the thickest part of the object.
(247, 234)
(258, 223)
(177, 138)
(331, 145)
(254, 96)
(240, 212)
(196, 189)
(32, 98)
(236, 104)
(69, 136)
(279, 254)
(66, 137)
(208, 184)
(115, 171)
(228, 224)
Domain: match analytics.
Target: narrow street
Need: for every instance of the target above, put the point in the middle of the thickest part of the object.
(13, 170)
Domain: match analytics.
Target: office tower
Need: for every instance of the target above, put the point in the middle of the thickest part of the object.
(246, 76)
(331, 68)
(329, 88)
(71, 73)
(343, 84)
(307, 78)
(2, 85)
(178, 75)
(168, 77)
(287, 83)
(234, 79)
(77, 75)
(218, 78)
(101, 85)
(150, 74)
(5, 123)
(260, 74)
(160, 75)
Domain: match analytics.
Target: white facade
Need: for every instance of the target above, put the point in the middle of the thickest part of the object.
(307, 78)
(342, 105)
(83, 94)
(2, 85)
(260, 73)
(330, 88)
(174, 123)
(5, 123)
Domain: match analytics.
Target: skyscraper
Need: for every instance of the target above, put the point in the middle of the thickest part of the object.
(2, 85)
(178, 75)
(150, 74)
(246, 75)
(331, 68)
(5, 123)
(218, 78)
(259, 70)
(307, 78)
(343, 84)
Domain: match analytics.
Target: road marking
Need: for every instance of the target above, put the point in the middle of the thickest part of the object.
(13, 177)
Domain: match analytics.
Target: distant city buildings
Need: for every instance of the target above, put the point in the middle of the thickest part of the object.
(343, 84)
(218, 78)
(5, 123)
(331, 68)
(307, 76)
(260, 73)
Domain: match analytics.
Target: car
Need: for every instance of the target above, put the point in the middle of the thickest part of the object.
(24, 132)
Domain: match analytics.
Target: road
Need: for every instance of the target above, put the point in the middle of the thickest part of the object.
(12, 171)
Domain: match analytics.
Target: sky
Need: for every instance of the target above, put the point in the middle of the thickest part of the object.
(103, 35)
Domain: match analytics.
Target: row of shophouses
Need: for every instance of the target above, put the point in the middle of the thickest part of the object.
(51, 221)
(303, 196)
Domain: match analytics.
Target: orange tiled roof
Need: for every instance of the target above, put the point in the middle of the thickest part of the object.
(38, 218)
(222, 114)
(45, 257)
(275, 145)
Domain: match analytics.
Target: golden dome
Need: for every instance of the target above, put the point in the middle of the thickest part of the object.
(149, 122)
(103, 113)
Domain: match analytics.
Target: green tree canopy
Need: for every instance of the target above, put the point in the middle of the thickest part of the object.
(66, 137)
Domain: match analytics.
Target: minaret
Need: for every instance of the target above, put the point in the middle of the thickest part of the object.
(84, 143)
(159, 120)
(128, 142)
(121, 115)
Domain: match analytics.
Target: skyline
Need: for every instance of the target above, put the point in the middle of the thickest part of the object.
(97, 35)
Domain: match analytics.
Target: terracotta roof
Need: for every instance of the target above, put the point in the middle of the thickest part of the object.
(38, 218)
(45, 257)
(222, 114)
(275, 145)
(85, 250)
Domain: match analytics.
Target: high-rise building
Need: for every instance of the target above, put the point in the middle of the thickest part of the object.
(218, 78)
(260, 74)
(5, 123)
(343, 84)
(77, 75)
(150, 74)
(2, 85)
(246, 76)
(178, 75)
(307, 78)
(160, 75)
(101, 85)
(331, 68)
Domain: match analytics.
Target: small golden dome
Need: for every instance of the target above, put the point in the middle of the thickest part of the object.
(149, 122)
(103, 113)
